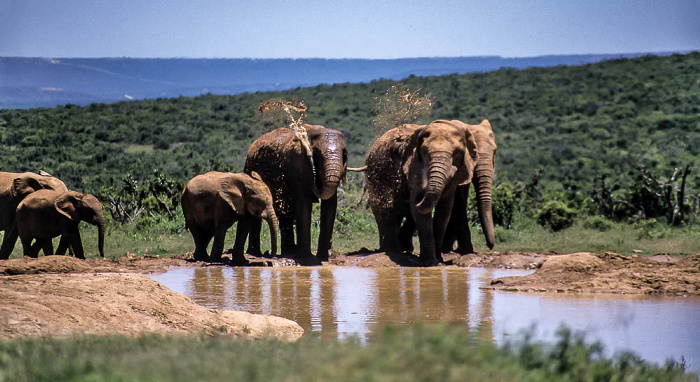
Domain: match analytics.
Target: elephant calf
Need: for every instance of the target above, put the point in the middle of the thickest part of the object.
(212, 202)
(46, 214)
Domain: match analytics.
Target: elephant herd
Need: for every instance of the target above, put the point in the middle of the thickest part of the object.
(417, 179)
(38, 207)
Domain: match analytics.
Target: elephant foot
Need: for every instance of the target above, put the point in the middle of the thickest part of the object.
(430, 261)
(239, 261)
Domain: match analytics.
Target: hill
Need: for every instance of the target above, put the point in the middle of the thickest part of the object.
(570, 123)
(49, 82)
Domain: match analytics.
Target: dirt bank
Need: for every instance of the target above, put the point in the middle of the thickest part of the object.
(59, 295)
(610, 273)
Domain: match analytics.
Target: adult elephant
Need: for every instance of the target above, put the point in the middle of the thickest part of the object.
(46, 214)
(411, 171)
(212, 202)
(298, 179)
(14, 187)
(484, 172)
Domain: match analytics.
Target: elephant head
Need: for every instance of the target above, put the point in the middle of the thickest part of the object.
(484, 173)
(83, 207)
(442, 154)
(329, 160)
(26, 183)
(248, 195)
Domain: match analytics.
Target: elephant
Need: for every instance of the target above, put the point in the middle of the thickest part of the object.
(298, 179)
(412, 170)
(212, 202)
(46, 214)
(484, 172)
(14, 187)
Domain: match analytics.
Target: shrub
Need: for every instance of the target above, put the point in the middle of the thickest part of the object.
(598, 223)
(555, 215)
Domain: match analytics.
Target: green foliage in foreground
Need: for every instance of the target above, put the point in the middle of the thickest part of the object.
(422, 353)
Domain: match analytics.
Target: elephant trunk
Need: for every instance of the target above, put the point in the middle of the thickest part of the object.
(438, 172)
(101, 236)
(326, 183)
(271, 219)
(483, 180)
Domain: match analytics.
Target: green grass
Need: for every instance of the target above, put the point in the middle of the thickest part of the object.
(623, 238)
(355, 228)
(420, 353)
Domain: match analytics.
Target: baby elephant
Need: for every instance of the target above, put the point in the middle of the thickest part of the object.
(46, 214)
(212, 202)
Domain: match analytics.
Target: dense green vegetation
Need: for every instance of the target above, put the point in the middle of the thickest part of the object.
(435, 353)
(610, 139)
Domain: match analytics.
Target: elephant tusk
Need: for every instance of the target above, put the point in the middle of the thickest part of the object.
(357, 169)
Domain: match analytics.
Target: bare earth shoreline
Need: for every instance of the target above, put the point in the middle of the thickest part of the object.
(62, 296)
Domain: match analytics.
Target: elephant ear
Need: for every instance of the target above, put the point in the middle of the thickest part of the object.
(470, 153)
(413, 148)
(233, 190)
(66, 205)
(23, 186)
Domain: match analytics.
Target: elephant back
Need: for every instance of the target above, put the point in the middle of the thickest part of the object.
(266, 157)
(387, 187)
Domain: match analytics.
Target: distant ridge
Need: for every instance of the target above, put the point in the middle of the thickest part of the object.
(48, 82)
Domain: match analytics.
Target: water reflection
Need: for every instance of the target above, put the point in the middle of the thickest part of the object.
(341, 301)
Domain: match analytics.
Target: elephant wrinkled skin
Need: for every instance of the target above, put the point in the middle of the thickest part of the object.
(411, 171)
(484, 172)
(297, 180)
(46, 214)
(14, 187)
(212, 202)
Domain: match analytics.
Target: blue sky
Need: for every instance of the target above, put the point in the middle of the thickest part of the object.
(344, 29)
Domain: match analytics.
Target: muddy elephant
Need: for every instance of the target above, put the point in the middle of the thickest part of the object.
(411, 171)
(14, 187)
(212, 202)
(298, 180)
(484, 172)
(45, 214)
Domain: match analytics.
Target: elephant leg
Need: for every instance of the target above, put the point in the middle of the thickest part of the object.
(424, 224)
(441, 217)
(63, 245)
(218, 247)
(255, 226)
(303, 225)
(47, 247)
(286, 226)
(325, 238)
(77, 244)
(28, 249)
(243, 231)
(458, 227)
(201, 238)
(390, 238)
(406, 234)
(8, 242)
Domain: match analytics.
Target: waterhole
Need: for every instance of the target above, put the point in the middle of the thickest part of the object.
(338, 302)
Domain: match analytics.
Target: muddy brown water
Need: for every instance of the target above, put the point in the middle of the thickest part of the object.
(338, 302)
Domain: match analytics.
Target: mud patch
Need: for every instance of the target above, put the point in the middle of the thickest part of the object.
(610, 273)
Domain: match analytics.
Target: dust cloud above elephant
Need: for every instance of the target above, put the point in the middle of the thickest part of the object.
(298, 180)
(46, 214)
(14, 187)
(412, 173)
(214, 201)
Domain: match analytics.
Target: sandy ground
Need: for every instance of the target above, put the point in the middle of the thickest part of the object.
(61, 296)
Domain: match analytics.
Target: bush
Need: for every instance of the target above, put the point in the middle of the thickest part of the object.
(598, 223)
(555, 215)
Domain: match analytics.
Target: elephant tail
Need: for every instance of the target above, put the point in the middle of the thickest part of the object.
(358, 169)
